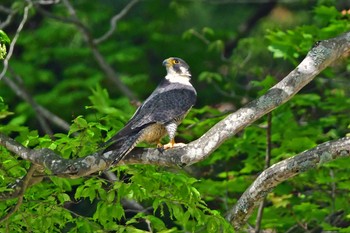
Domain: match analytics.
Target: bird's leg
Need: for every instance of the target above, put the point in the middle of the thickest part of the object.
(171, 129)
(170, 144)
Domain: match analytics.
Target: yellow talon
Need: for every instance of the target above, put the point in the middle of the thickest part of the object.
(169, 145)
(159, 145)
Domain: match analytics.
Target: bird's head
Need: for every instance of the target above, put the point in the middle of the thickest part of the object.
(177, 66)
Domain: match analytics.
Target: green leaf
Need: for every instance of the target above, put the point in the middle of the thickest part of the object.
(210, 77)
(63, 197)
(4, 40)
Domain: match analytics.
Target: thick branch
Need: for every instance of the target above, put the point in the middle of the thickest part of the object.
(316, 60)
(282, 171)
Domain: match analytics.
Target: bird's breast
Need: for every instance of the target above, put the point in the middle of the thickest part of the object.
(153, 133)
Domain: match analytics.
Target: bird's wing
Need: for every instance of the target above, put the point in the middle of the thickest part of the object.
(164, 107)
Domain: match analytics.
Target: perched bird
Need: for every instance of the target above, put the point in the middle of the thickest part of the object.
(160, 114)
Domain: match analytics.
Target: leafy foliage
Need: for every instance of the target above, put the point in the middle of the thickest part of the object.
(57, 67)
(4, 40)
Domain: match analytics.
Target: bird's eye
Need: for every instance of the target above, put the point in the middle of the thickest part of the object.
(175, 61)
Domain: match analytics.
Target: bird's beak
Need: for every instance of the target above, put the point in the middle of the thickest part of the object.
(166, 62)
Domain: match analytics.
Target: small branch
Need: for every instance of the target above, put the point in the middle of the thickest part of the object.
(47, 2)
(268, 141)
(14, 40)
(9, 18)
(110, 73)
(333, 189)
(101, 61)
(53, 118)
(247, 26)
(5, 9)
(267, 165)
(114, 22)
(40, 111)
(17, 186)
(25, 184)
(282, 171)
(21, 92)
(200, 36)
(14, 146)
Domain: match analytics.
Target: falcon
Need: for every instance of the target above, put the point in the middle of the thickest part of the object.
(160, 114)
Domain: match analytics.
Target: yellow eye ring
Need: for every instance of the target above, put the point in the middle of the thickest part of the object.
(175, 61)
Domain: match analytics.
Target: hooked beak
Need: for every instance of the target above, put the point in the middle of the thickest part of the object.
(166, 62)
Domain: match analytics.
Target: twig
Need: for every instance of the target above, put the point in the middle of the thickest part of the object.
(267, 165)
(14, 40)
(148, 222)
(25, 184)
(59, 18)
(111, 74)
(47, 2)
(53, 118)
(200, 36)
(5, 9)
(10, 15)
(247, 26)
(21, 92)
(40, 111)
(101, 61)
(333, 189)
(114, 21)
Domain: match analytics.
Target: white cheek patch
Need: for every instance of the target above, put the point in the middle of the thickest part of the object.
(175, 78)
(184, 71)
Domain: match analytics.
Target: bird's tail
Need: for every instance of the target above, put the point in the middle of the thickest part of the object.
(120, 146)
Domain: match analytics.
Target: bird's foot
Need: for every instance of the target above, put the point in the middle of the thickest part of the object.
(172, 145)
(160, 147)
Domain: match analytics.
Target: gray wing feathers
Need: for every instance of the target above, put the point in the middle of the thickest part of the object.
(165, 107)
(121, 146)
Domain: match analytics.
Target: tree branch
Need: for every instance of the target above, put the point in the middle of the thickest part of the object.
(244, 29)
(107, 69)
(26, 182)
(9, 18)
(282, 171)
(267, 165)
(318, 58)
(41, 112)
(114, 21)
(101, 61)
(21, 92)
